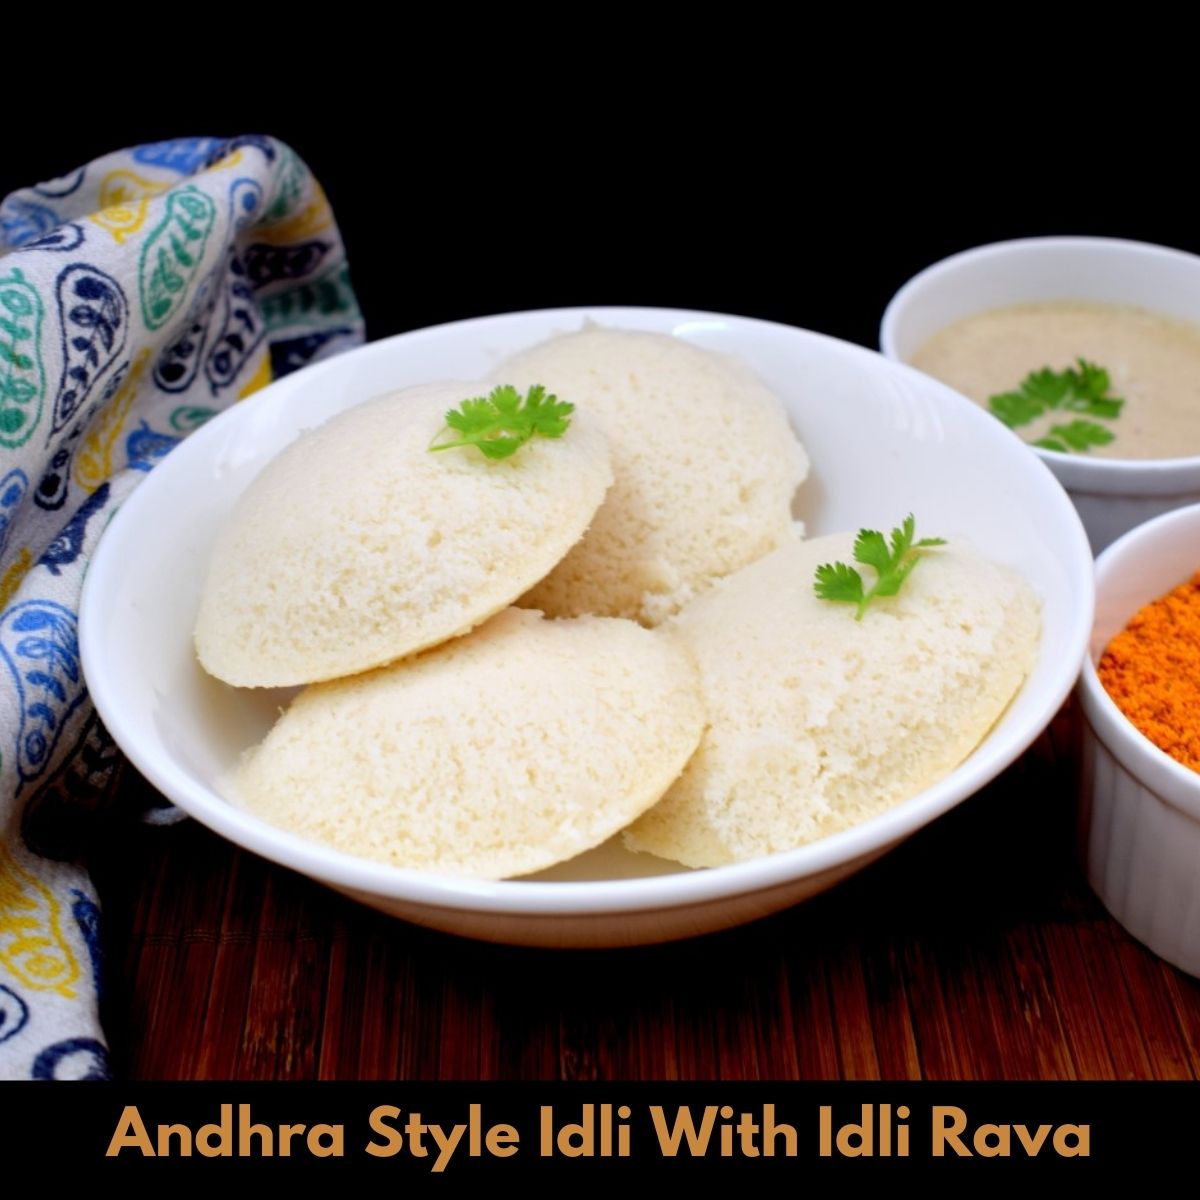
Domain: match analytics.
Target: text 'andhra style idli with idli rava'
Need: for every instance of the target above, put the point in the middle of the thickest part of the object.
(359, 544)
(841, 676)
(705, 467)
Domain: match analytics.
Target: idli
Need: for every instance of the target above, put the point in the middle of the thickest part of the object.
(704, 462)
(818, 721)
(499, 753)
(356, 545)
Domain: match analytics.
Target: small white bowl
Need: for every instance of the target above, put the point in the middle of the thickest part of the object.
(1139, 808)
(1112, 495)
(884, 440)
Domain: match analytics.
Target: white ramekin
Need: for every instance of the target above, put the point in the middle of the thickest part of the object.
(1112, 495)
(1139, 808)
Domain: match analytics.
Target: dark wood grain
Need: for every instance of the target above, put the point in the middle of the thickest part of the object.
(975, 951)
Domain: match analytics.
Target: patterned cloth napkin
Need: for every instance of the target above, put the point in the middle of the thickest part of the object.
(139, 295)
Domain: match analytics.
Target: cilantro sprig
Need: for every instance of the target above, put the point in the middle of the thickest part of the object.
(499, 424)
(892, 564)
(1078, 435)
(1081, 389)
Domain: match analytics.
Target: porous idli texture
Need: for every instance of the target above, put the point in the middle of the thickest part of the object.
(705, 465)
(522, 744)
(816, 721)
(356, 545)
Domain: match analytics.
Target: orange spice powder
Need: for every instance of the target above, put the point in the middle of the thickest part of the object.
(1152, 670)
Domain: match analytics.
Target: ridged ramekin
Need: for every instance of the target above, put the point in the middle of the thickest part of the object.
(1139, 808)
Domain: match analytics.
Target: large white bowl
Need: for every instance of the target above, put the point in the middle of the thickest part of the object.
(1112, 494)
(884, 440)
(1139, 808)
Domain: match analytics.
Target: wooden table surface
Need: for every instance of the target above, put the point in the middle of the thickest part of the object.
(975, 951)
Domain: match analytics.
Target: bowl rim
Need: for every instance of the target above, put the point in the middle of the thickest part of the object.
(1075, 470)
(836, 854)
(1152, 766)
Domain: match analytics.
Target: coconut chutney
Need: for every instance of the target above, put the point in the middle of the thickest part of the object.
(1153, 362)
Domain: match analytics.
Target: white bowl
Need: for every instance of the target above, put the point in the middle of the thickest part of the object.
(884, 440)
(1112, 495)
(1139, 808)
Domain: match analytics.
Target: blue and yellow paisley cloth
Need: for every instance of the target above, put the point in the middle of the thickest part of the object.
(139, 295)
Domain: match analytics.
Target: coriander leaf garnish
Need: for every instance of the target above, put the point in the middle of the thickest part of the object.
(502, 422)
(1080, 389)
(1048, 388)
(1078, 435)
(837, 581)
(1091, 392)
(1016, 408)
(892, 565)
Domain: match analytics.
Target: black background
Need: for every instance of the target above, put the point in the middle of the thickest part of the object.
(798, 198)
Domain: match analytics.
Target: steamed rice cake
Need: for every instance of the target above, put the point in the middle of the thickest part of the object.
(816, 721)
(705, 465)
(356, 545)
(502, 752)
